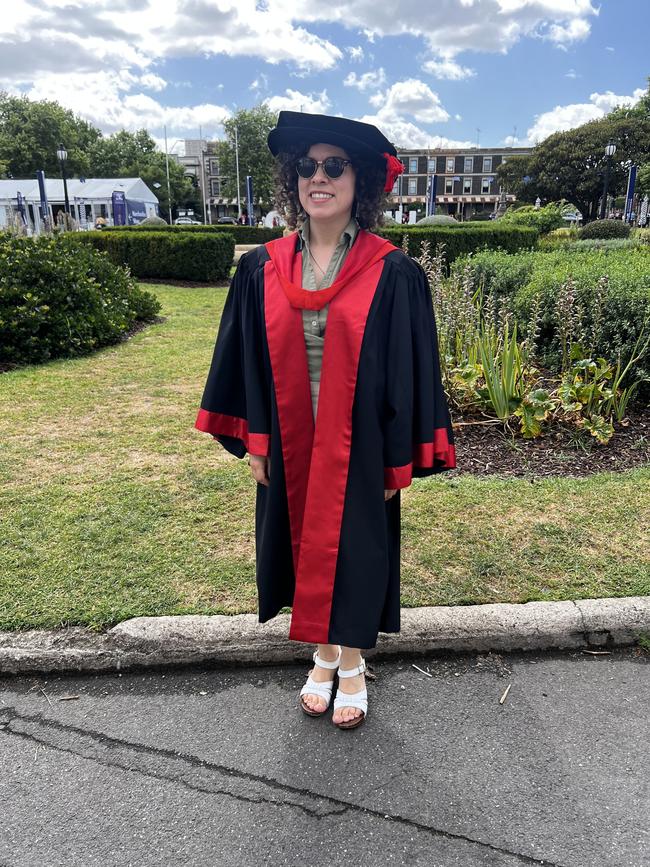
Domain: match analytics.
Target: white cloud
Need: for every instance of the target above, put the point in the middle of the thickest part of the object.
(564, 117)
(260, 83)
(152, 81)
(412, 97)
(450, 27)
(355, 53)
(294, 100)
(100, 98)
(449, 69)
(571, 74)
(368, 81)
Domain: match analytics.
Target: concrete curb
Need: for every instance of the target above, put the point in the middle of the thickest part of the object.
(144, 642)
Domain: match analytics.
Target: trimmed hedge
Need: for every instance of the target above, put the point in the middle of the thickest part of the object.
(166, 254)
(242, 234)
(463, 238)
(59, 299)
(605, 229)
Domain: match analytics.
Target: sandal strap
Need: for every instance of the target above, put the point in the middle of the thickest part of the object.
(355, 699)
(352, 672)
(324, 690)
(324, 663)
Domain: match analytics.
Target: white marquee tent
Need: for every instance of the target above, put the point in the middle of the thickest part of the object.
(89, 199)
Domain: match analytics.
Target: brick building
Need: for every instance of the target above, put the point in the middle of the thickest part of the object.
(466, 180)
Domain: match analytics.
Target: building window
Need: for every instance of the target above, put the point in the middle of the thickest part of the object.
(413, 166)
(413, 186)
(395, 190)
(487, 164)
(469, 164)
(449, 185)
(214, 188)
(485, 185)
(431, 165)
(467, 185)
(450, 164)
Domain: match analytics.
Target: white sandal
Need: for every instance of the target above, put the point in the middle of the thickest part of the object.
(323, 690)
(355, 699)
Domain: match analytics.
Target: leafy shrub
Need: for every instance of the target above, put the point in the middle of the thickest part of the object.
(59, 298)
(202, 256)
(496, 271)
(605, 229)
(545, 219)
(151, 220)
(559, 238)
(609, 305)
(604, 244)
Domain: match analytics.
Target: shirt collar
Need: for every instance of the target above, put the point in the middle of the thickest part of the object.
(347, 238)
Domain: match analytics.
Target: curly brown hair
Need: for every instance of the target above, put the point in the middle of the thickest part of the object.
(370, 200)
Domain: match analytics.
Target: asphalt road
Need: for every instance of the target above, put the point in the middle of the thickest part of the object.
(220, 767)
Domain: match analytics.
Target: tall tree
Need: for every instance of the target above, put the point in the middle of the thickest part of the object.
(30, 133)
(121, 154)
(253, 126)
(572, 164)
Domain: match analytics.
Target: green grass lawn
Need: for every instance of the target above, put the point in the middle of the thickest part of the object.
(112, 505)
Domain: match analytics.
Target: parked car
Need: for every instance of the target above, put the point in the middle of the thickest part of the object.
(187, 221)
(230, 220)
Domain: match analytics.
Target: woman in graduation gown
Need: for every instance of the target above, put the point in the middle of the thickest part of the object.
(326, 372)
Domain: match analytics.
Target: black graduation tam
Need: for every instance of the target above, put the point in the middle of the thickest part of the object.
(363, 139)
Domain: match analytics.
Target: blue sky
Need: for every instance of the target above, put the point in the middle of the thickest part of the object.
(428, 73)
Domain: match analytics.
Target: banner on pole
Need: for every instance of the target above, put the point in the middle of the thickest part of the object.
(431, 197)
(44, 205)
(119, 208)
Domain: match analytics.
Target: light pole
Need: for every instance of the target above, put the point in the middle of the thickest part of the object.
(237, 164)
(62, 156)
(610, 150)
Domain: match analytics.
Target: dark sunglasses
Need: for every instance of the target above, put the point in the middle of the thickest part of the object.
(332, 166)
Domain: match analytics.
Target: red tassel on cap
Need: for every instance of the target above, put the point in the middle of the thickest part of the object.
(394, 167)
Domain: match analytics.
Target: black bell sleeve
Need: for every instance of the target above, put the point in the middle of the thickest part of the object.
(418, 435)
(235, 402)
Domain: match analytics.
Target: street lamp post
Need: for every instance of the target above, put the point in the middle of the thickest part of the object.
(237, 165)
(62, 156)
(610, 150)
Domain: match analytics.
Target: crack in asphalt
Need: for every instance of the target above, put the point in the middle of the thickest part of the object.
(47, 728)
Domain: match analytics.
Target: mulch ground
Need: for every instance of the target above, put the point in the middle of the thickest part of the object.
(490, 449)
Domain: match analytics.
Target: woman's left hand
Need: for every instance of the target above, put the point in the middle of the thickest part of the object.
(388, 494)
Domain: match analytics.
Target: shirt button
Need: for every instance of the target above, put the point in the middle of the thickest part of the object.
(314, 322)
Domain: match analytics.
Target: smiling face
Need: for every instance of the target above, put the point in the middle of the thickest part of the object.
(325, 198)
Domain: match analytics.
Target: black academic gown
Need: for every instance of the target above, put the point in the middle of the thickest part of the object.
(327, 543)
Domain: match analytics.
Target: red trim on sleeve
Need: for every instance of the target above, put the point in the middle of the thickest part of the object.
(426, 454)
(398, 477)
(440, 453)
(218, 424)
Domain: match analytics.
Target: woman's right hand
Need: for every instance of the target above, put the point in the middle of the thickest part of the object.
(260, 468)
